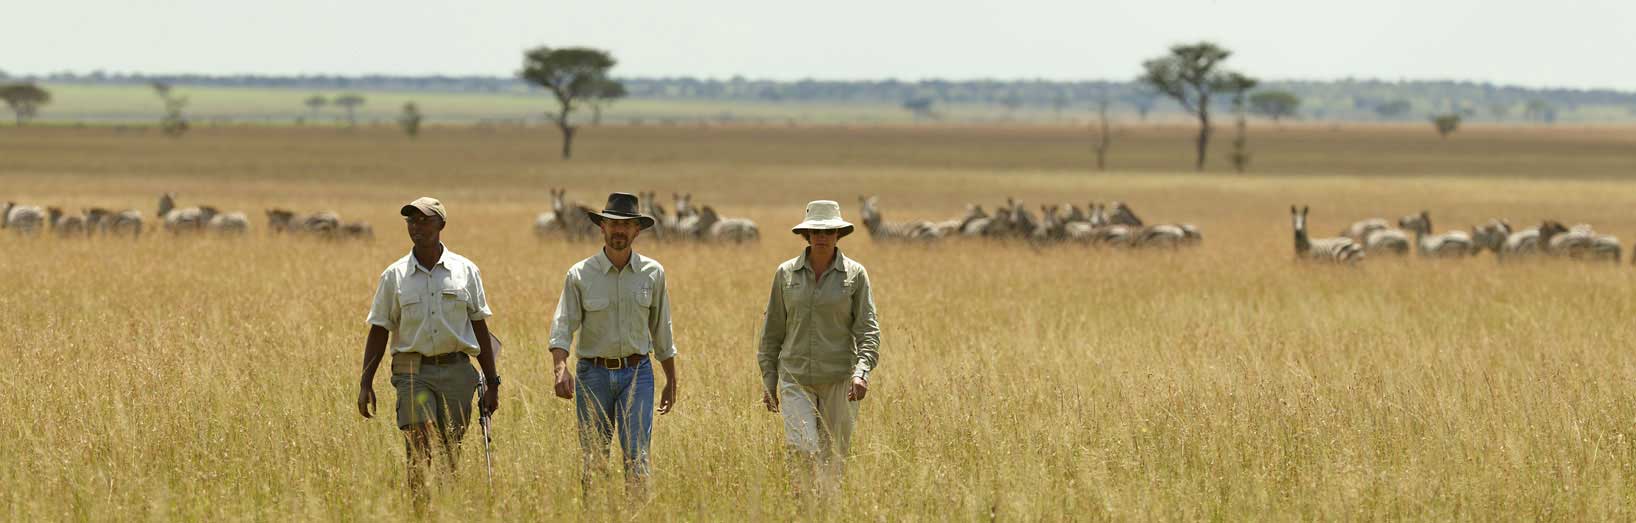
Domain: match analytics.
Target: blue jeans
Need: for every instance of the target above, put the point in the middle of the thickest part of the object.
(606, 400)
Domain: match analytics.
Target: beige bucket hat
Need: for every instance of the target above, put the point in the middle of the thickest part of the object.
(823, 215)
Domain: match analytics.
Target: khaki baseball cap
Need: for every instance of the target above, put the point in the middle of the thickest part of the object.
(425, 205)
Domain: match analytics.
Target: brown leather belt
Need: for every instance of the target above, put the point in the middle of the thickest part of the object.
(444, 359)
(617, 363)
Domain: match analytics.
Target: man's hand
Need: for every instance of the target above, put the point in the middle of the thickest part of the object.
(770, 400)
(667, 398)
(858, 390)
(565, 383)
(490, 401)
(366, 400)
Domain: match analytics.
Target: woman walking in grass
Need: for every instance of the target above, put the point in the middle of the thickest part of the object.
(818, 347)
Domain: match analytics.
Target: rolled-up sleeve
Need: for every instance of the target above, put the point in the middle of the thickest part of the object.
(772, 334)
(664, 346)
(384, 311)
(568, 316)
(478, 309)
(865, 330)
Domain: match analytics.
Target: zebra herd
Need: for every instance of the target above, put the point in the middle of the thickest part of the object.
(1055, 224)
(1376, 236)
(29, 220)
(689, 222)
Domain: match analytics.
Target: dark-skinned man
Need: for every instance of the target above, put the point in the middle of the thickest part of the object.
(432, 306)
(618, 302)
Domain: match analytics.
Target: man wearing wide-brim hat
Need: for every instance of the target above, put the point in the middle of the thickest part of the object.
(818, 347)
(618, 302)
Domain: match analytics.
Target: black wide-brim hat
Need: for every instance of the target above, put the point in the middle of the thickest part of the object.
(621, 206)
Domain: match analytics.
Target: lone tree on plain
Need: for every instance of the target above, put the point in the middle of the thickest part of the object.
(350, 102)
(314, 103)
(1446, 124)
(173, 123)
(1191, 74)
(606, 94)
(410, 119)
(1275, 104)
(1104, 138)
(572, 75)
(1240, 85)
(25, 100)
(920, 107)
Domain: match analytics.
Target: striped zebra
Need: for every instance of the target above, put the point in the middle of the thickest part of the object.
(1327, 250)
(1453, 244)
(880, 229)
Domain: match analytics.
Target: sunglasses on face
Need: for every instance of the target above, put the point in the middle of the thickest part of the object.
(417, 220)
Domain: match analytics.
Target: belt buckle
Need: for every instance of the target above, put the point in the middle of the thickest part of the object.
(619, 366)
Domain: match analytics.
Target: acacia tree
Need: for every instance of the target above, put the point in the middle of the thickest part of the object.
(314, 103)
(920, 107)
(174, 124)
(606, 93)
(572, 75)
(1446, 123)
(25, 100)
(1274, 104)
(410, 119)
(1191, 74)
(1239, 85)
(350, 102)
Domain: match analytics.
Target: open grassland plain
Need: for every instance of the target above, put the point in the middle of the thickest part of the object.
(214, 379)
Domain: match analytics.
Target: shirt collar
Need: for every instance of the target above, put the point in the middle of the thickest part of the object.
(606, 265)
(839, 264)
(414, 263)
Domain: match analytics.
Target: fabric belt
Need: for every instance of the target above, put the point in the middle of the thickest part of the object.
(618, 363)
(444, 359)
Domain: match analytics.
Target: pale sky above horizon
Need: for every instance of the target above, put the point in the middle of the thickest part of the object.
(1569, 43)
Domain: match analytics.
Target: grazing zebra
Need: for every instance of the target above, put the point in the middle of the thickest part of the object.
(1359, 230)
(105, 222)
(22, 219)
(662, 223)
(1328, 250)
(882, 230)
(1583, 242)
(736, 230)
(569, 219)
(1162, 235)
(180, 220)
(976, 222)
(228, 224)
(1051, 227)
(1386, 241)
(64, 226)
(1122, 215)
(1491, 235)
(1453, 244)
(1523, 243)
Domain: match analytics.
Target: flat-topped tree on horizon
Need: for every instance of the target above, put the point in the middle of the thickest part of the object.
(314, 103)
(25, 100)
(350, 102)
(1191, 74)
(573, 75)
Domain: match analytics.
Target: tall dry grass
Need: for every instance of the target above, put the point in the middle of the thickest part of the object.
(193, 379)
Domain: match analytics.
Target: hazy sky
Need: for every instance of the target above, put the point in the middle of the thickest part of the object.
(1571, 43)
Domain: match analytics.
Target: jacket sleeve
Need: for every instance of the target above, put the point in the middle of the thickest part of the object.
(865, 330)
(772, 334)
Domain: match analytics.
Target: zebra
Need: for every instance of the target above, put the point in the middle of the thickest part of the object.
(1329, 250)
(1580, 242)
(1453, 244)
(1359, 230)
(233, 223)
(882, 230)
(65, 226)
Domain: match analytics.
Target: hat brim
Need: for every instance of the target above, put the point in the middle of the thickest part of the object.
(416, 210)
(824, 225)
(597, 217)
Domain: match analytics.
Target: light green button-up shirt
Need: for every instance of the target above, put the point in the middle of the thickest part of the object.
(819, 332)
(430, 310)
(618, 312)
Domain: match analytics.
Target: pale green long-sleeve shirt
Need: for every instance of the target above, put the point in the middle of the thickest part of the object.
(819, 332)
(618, 312)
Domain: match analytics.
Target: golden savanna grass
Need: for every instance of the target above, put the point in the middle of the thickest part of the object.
(201, 379)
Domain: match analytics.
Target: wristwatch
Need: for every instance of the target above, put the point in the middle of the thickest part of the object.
(492, 381)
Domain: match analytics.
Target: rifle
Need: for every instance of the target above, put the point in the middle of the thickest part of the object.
(484, 414)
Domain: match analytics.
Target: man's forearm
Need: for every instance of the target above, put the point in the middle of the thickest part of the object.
(374, 351)
(485, 345)
(559, 359)
(670, 370)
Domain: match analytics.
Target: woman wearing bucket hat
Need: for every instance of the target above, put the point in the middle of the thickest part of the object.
(818, 347)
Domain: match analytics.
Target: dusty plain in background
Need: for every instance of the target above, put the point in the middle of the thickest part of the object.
(205, 379)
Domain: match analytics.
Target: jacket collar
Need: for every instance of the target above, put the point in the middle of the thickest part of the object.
(839, 264)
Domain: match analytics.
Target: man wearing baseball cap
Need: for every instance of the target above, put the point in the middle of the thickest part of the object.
(618, 302)
(432, 305)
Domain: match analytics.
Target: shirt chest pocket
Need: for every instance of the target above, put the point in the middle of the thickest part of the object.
(455, 303)
(836, 292)
(642, 295)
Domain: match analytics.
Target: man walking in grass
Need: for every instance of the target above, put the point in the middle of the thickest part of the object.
(818, 346)
(432, 305)
(618, 302)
